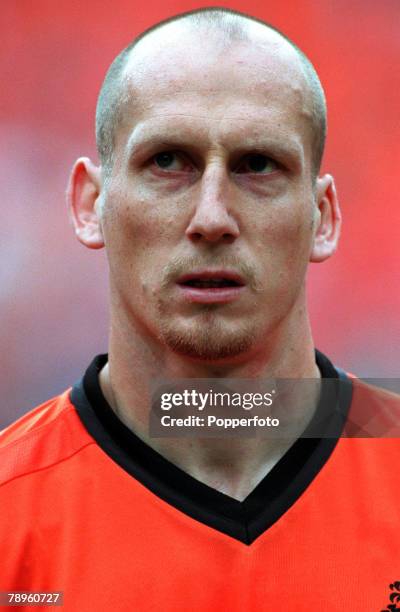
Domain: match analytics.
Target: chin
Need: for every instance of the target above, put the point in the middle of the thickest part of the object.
(208, 340)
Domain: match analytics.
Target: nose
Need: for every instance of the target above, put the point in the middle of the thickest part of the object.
(212, 219)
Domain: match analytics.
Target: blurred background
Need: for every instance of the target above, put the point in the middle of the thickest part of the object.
(53, 291)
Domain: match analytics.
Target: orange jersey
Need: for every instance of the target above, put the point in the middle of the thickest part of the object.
(88, 509)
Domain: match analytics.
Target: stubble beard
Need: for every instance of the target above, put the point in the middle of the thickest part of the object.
(209, 332)
(207, 335)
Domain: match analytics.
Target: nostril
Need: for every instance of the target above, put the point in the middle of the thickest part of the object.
(196, 236)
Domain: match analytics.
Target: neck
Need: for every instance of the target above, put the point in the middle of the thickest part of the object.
(233, 466)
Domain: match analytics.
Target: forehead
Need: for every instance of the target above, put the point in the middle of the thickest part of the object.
(186, 78)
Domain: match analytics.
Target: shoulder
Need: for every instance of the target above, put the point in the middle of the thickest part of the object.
(43, 437)
(364, 389)
(374, 412)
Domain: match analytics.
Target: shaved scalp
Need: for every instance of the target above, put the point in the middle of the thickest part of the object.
(233, 25)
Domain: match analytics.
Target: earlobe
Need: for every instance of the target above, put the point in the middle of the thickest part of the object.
(329, 220)
(83, 198)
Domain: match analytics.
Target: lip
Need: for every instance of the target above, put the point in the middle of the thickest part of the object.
(211, 274)
(211, 295)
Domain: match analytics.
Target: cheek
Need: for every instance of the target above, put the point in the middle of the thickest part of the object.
(286, 233)
(283, 249)
(137, 220)
(139, 235)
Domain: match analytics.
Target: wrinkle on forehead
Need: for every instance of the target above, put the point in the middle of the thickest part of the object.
(222, 111)
(159, 128)
(215, 89)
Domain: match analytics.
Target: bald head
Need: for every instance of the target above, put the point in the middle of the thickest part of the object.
(229, 27)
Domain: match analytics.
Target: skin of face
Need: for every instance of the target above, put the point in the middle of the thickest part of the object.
(212, 170)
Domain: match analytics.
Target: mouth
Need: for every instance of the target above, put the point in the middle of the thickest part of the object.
(211, 286)
(212, 283)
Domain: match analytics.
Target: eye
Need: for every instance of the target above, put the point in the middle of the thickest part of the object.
(257, 163)
(169, 160)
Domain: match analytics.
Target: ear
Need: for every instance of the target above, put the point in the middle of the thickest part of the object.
(84, 203)
(329, 220)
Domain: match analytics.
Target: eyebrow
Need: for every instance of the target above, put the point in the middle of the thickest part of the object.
(142, 140)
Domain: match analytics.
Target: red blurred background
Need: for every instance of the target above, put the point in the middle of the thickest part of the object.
(54, 291)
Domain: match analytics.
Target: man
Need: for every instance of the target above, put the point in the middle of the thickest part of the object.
(208, 200)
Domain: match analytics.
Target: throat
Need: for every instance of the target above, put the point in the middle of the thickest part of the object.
(237, 479)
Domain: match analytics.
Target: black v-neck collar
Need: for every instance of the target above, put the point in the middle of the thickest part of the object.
(267, 503)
